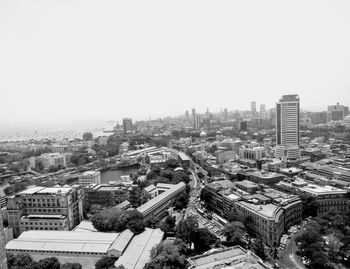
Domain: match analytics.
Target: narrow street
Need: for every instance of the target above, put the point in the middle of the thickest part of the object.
(287, 258)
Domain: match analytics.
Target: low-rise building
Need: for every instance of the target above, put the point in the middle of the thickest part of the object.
(225, 155)
(234, 258)
(270, 212)
(105, 195)
(90, 177)
(327, 197)
(167, 194)
(251, 153)
(264, 177)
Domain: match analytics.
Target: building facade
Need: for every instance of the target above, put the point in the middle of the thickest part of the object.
(60, 205)
(104, 195)
(90, 177)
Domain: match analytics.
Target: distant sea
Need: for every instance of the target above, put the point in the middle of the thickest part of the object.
(52, 131)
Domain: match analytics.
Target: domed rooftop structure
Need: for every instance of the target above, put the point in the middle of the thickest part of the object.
(203, 134)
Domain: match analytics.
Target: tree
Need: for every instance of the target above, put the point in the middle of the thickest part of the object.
(203, 240)
(248, 223)
(23, 261)
(168, 225)
(48, 263)
(87, 136)
(134, 197)
(258, 248)
(135, 222)
(186, 230)
(73, 265)
(309, 206)
(53, 168)
(181, 201)
(105, 263)
(168, 255)
(233, 232)
(110, 219)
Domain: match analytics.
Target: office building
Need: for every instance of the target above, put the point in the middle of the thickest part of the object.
(337, 112)
(251, 153)
(104, 195)
(42, 208)
(166, 197)
(49, 159)
(223, 156)
(193, 115)
(90, 177)
(270, 212)
(234, 258)
(187, 115)
(253, 108)
(328, 197)
(197, 121)
(127, 125)
(287, 127)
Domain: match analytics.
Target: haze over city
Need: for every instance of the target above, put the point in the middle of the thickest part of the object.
(69, 61)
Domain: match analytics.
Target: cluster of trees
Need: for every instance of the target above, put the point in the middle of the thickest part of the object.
(137, 197)
(107, 263)
(14, 188)
(190, 240)
(326, 241)
(25, 261)
(117, 220)
(167, 175)
(234, 232)
(309, 205)
(109, 150)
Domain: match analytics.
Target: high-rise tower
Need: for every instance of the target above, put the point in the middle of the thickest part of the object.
(287, 127)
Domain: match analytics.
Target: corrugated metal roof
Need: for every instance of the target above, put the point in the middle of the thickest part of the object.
(138, 252)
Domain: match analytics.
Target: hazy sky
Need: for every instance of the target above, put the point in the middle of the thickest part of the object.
(68, 59)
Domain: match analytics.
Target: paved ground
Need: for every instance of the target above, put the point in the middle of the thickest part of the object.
(288, 259)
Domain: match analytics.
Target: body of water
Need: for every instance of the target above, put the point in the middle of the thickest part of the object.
(114, 175)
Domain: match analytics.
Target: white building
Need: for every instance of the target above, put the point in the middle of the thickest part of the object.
(287, 127)
(251, 153)
(90, 177)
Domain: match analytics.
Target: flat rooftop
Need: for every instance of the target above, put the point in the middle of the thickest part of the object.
(233, 258)
(45, 190)
(265, 210)
(316, 189)
(246, 183)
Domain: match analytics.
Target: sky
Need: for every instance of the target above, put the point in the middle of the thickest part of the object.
(70, 60)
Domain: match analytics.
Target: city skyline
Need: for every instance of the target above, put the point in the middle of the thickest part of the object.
(124, 62)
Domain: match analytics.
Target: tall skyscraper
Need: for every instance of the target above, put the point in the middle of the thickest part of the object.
(193, 115)
(253, 107)
(287, 127)
(187, 115)
(197, 121)
(225, 115)
(127, 125)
